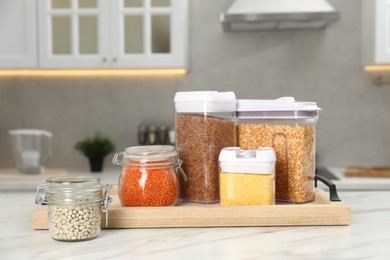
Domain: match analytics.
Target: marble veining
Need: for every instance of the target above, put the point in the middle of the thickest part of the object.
(367, 237)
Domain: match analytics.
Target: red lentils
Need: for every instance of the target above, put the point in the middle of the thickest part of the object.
(148, 186)
(150, 179)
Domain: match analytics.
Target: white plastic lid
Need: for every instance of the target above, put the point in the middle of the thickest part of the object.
(259, 161)
(281, 108)
(30, 132)
(279, 104)
(205, 101)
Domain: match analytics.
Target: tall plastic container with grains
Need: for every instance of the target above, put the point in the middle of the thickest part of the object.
(204, 126)
(289, 127)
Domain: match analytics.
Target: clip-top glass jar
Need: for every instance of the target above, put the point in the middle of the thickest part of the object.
(74, 205)
(149, 176)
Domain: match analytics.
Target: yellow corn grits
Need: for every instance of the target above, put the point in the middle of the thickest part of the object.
(243, 189)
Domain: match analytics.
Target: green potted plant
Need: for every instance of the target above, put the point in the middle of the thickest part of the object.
(95, 148)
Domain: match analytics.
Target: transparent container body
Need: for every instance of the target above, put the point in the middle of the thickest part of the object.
(31, 148)
(74, 207)
(149, 176)
(200, 137)
(247, 177)
(293, 140)
(142, 186)
(74, 222)
(246, 189)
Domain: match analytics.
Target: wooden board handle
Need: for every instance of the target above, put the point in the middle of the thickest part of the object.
(333, 196)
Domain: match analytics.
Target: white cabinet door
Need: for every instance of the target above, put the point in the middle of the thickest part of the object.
(18, 43)
(73, 33)
(113, 33)
(376, 32)
(149, 33)
(383, 31)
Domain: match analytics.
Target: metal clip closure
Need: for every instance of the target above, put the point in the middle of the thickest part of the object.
(39, 200)
(117, 160)
(178, 168)
(106, 201)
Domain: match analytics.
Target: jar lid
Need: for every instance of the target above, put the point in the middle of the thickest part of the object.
(151, 154)
(259, 161)
(284, 107)
(73, 190)
(73, 184)
(205, 101)
(74, 181)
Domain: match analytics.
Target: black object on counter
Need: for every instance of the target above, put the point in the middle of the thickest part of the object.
(333, 196)
(326, 173)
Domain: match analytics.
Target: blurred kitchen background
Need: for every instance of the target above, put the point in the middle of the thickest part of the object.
(311, 65)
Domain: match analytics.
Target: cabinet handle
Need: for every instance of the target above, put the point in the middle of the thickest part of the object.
(104, 59)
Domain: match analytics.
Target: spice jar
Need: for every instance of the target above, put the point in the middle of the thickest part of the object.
(149, 176)
(204, 126)
(247, 176)
(74, 206)
(289, 127)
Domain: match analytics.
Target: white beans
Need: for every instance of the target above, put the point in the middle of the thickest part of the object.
(75, 222)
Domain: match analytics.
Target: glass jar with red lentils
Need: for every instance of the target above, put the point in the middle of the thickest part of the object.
(149, 175)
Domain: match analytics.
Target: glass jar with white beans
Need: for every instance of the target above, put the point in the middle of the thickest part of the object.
(74, 206)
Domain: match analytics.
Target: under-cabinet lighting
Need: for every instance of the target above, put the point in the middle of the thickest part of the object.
(120, 72)
(376, 68)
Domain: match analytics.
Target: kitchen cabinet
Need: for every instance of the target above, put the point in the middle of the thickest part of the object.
(376, 31)
(73, 33)
(113, 34)
(18, 44)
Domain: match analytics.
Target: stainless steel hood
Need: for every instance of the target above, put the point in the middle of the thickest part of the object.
(278, 15)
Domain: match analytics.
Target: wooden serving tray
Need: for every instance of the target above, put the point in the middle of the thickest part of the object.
(321, 212)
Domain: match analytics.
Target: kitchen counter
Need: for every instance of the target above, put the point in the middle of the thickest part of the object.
(12, 181)
(367, 237)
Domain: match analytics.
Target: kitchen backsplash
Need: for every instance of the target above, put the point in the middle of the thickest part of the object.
(322, 66)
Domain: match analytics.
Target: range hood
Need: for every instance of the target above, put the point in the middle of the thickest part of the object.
(278, 15)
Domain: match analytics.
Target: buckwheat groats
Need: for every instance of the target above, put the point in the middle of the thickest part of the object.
(200, 140)
(204, 126)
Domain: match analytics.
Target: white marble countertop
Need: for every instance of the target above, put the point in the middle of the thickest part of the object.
(367, 237)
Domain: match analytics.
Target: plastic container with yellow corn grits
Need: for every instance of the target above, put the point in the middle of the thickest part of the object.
(247, 177)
